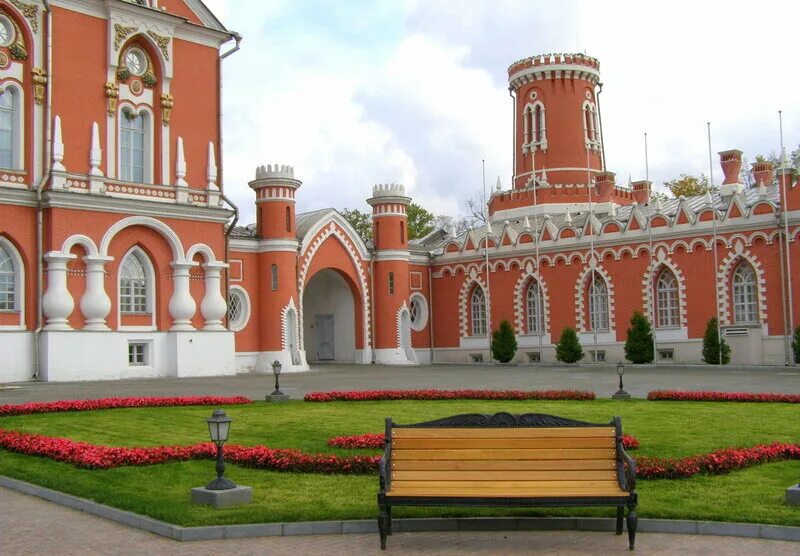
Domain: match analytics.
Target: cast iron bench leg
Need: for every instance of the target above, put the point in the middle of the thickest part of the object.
(383, 525)
(620, 515)
(632, 520)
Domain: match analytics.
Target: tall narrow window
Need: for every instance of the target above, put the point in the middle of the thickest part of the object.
(533, 304)
(667, 299)
(538, 133)
(402, 232)
(526, 125)
(9, 129)
(8, 282)
(391, 283)
(478, 312)
(598, 303)
(745, 302)
(288, 219)
(133, 146)
(377, 229)
(133, 285)
(274, 277)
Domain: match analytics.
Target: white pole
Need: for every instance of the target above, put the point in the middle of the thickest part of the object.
(540, 300)
(486, 251)
(652, 286)
(591, 250)
(784, 210)
(714, 239)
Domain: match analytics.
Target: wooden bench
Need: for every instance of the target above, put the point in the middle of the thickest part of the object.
(504, 460)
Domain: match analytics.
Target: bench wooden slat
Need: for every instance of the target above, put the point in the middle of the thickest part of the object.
(528, 443)
(518, 454)
(522, 486)
(504, 432)
(505, 465)
(554, 475)
(510, 493)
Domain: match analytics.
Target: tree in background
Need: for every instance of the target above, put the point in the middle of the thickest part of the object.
(504, 344)
(446, 223)
(713, 345)
(361, 221)
(420, 221)
(687, 185)
(639, 343)
(796, 345)
(568, 348)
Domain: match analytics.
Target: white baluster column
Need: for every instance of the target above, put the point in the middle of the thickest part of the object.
(181, 305)
(95, 303)
(213, 306)
(57, 303)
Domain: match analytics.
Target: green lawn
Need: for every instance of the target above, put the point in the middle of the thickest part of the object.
(669, 429)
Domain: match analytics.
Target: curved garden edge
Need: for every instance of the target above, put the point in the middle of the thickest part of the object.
(218, 532)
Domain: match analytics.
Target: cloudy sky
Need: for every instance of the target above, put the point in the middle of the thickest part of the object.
(354, 93)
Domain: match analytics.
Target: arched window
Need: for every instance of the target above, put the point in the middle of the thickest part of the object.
(274, 277)
(745, 302)
(8, 282)
(133, 286)
(527, 125)
(533, 303)
(402, 232)
(590, 124)
(391, 283)
(10, 129)
(598, 303)
(238, 308)
(538, 124)
(667, 299)
(288, 220)
(134, 149)
(478, 312)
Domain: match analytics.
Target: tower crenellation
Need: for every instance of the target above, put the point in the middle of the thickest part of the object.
(275, 187)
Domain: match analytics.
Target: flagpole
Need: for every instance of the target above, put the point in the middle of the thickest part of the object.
(592, 261)
(653, 300)
(714, 228)
(540, 323)
(785, 212)
(486, 252)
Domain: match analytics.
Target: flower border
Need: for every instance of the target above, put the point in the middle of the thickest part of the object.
(117, 403)
(709, 396)
(386, 395)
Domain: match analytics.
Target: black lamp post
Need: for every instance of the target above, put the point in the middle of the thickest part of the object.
(276, 370)
(219, 425)
(621, 394)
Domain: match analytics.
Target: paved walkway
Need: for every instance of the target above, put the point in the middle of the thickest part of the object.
(31, 526)
(602, 379)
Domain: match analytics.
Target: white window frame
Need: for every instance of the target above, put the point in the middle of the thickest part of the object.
(591, 128)
(744, 294)
(149, 134)
(529, 126)
(19, 285)
(668, 308)
(150, 274)
(421, 320)
(12, 33)
(241, 320)
(534, 307)
(146, 351)
(18, 124)
(599, 310)
(477, 303)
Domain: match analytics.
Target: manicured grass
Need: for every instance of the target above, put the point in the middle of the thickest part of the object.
(668, 429)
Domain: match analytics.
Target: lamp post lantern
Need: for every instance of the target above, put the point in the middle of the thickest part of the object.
(621, 394)
(276, 370)
(219, 425)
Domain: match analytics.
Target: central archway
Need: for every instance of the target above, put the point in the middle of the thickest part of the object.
(329, 318)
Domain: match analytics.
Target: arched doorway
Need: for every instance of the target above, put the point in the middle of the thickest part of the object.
(405, 335)
(329, 323)
(291, 337)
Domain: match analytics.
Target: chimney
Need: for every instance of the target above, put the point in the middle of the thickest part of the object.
(731, 162)
(762, 172)
(641, 191)
(604, 185)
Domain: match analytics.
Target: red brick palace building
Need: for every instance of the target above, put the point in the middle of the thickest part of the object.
(119, 256)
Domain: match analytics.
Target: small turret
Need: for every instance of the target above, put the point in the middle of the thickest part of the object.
(275, 187)
(389, 216)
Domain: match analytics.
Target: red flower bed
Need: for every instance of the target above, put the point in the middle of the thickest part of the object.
(373, 440)
(83, 454)
(680, 396)
(715, 463)
(114, 403)
(382, 395)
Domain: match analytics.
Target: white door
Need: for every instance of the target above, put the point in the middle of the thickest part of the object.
(291, 336)
(324, 336)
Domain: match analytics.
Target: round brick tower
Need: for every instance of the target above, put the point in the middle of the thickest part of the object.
(391, 323)
(557, 119)
(275, 187)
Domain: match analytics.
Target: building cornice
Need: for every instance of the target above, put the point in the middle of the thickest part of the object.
(17, 196)
(254, 245)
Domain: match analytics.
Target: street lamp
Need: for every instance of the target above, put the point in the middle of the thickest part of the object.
(276, 370)
(219, 425)
(621, 394)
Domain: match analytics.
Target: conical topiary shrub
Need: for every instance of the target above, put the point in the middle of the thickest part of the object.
(568, 349)
(713, 347)
(639, 343)
(504, 344)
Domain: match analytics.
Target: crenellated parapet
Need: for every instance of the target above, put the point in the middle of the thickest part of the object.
(275, 182)
(549, 66)
(389, 199)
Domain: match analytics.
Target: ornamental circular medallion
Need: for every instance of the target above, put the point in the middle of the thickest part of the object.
(3, 59)
(6, 31)
(588, 95)
(137, 87)
(533, 95)
(135, 61)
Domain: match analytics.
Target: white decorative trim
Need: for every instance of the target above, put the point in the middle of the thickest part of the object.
(391, 255)
(19, 281)
(241, 322)
(649, 283)
(205, 250)
(520, 297)
(333, 216)
(425, 311)
(463, 303)
(152, 303)
(580, 290)
(157, 225)
(284, 326)
(724, 276)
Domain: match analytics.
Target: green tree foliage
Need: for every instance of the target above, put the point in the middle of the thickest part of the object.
(687, 185)
(420, 221)
(712, 345)
(361, 221)
(639, 342)
(568, 348)
(504, 344)
(796, 345)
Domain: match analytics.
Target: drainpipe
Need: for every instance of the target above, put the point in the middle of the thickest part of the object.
(602, 137)
(372, 305)
(430, 306)
(514, 142)
(238, 38)
(46, 167)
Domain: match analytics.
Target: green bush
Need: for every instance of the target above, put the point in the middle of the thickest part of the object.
(712, 345)
(568, 349)
(639, 342)
(504, 344)
(796, 345)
